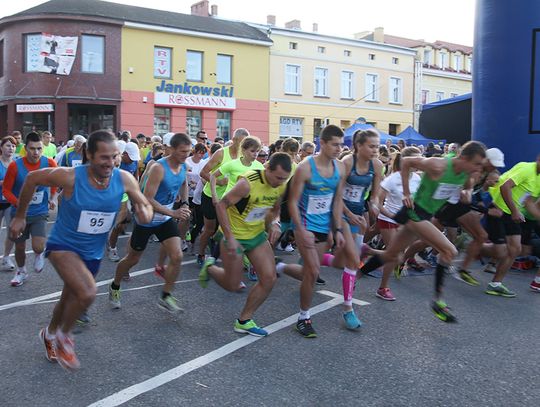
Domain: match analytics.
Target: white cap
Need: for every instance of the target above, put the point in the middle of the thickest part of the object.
(132, 151)
(495, 157)
(167, 139)
(156, 139)
(121, 145)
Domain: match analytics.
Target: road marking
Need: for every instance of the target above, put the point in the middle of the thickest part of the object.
(335, 295)
(131, 392)
(58, 293)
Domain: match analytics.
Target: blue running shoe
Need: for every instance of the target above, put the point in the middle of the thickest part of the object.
(351, 320)
(250, 328)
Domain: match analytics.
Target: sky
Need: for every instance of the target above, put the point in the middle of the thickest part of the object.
(431, 20)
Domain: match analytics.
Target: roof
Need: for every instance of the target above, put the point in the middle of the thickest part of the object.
(125, 13)
(411, 43)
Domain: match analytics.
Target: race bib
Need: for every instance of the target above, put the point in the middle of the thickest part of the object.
(76, 163)
(37, 198)
(353, 193)
(95, 223)
(257, 214)
(160, 217)
(449, 192)
(320, 204)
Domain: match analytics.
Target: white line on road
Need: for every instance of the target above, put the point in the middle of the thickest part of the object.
(131, 392)
(335, 295)
(58, 293)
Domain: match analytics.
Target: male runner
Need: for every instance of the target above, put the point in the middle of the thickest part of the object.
(74, 155)
(91, 198)
(165, 180)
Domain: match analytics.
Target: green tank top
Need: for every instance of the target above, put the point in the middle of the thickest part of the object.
(432, 194)
(220, 189)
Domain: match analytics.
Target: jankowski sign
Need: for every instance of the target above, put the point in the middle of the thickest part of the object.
(187, 95)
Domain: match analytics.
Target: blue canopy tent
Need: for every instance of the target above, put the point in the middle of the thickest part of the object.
(349, 133)
(411, 136)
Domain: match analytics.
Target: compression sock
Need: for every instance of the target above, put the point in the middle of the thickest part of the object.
(372, 264)
(327, 260)
(348, 278)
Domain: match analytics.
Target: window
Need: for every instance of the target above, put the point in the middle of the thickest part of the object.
(395, 60)
(427, 56)
(1, 58)
(454, 95)
(292, 79)
(93, 54)
(372, 87)
(347, 52)
(393, 129)
(321, 50)
(321, 82)
(162, 121)
(425, 96)
(293, 45)
(224, 69)
(443, 60)
(32, 51)
(469, 64)
(318, 125)
(223, 125)
(457, 63)
(347, 78)
(439, 96)
(162, 62)
(193, 122)
(371, 57)
(194, 61)
(395, 90)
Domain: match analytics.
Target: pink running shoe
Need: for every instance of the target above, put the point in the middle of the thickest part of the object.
(385, 294)
(535, 286)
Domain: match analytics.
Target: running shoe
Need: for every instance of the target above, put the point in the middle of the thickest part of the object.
(39, 262)
(288, 248)
(159, 271)
(304, 327)
(203, 274)
(500, 290)
(242, 286)
(154, 239)
(535, 286)
(113, 254)
(7, 264)
(64, 348)
(467, 278)
(19, 279)
(351, 320)
(414, 265)
(491, 268)
(252, 275)
(320, 281)
(50, 354)
(169, 304)
(185, 245)
(250, 328)
(442, 311)
(432, 260)
(200, 259)
(385, 294)
(398, 271)
(83, 319)
(114, 298)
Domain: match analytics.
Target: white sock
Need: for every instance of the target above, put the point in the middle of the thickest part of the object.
(280, 267)
(495, 284)
(304, 315)
(21, 269)
(537, 279)
(48, 335)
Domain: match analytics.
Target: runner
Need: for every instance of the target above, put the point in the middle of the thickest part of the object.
(442, 181)
(165, 180)
(91, 198)
(42, 201)
(314, 212)
(7, 149)
(247, 217)
(74, 155)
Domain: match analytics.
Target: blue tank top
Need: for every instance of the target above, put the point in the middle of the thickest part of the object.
(40, 200)
(131, 168)
(356, 188)
(316, 200)
(85, 219)
(167, 191)
(72, 159)
(3, 171)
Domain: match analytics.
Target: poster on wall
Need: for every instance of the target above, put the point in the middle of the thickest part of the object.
(57, 54)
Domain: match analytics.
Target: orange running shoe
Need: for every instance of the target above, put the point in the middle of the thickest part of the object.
(65, 352)
(50, 354)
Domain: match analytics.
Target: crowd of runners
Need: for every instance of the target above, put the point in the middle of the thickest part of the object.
(235, 204)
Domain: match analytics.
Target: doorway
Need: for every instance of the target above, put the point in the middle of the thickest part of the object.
(84, 119)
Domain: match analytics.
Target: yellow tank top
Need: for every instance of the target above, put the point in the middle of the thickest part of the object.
(220, 189)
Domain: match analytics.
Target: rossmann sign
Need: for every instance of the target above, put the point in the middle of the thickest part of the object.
(199, 96)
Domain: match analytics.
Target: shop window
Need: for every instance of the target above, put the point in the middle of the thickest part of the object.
(93, 54)
(194, 66)
(162, 121)
(223, 125)
(224, 69)
(32, 47)
(193, 122)
(291, 127)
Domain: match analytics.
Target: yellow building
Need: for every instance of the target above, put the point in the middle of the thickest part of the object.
(318, 79)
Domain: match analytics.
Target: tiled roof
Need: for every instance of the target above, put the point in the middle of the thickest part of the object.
(410, 43)
(121, 12)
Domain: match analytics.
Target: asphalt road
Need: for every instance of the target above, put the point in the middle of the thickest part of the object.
(402, 356)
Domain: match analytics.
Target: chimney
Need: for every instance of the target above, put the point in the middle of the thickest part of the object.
(271, 20)
(378, 34)
(200, 9)
(293, 25)
(315, 27)
(214, 10)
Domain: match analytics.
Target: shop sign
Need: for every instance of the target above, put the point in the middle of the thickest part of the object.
(35, 108)
(291, 126)
(199, 101)
(187, 89)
